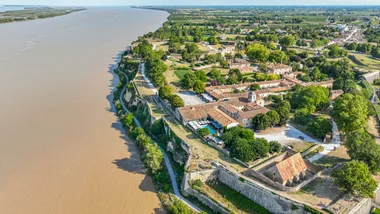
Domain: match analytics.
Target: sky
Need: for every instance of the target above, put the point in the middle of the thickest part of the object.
(190, 2)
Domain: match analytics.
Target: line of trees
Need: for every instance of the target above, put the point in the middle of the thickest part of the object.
(166, 92)
(153, 62)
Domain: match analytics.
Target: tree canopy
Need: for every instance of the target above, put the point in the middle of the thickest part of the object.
(257, 52)
(311, 98)
(355, 178)
(350, 112)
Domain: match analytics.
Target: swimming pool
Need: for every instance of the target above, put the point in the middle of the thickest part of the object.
(212, 131)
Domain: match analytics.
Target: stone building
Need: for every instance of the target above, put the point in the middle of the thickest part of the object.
(238, 63)
(279, 69)
(291, 170)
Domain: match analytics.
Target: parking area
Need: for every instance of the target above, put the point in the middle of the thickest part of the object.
(190, 98)
(285, 135)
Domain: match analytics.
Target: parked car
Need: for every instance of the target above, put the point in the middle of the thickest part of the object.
(301, 137)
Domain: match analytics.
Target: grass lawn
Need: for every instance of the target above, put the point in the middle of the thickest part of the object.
(299, 146)
(235, 201)
(376, 211)
(181, 73)
(338, 156)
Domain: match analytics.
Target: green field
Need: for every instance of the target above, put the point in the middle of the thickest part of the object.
(231, 198)
(181, 73)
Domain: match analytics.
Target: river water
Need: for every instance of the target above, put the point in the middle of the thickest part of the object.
(61, 148)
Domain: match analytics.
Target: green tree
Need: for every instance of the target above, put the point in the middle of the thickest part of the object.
(362, 147)
(257, 52)
(201, 75)
(287, 41)
(136, 132)
(232, 80)
(319, 127)
(203, 132)
(273, 117)
(261, 122)
(179, 207)
(260, 147)
(199, 87)
(302, 116)
(315, 74)
(214, 73)
(176, 101)
(242, 150)
(188, 80)
(311, 98)
(212, 40)
(128, 120)
(255, 87)
(355, 178)
(165, 91)
(153, 157)
(275, 147)
(350, 112)
(278, 56)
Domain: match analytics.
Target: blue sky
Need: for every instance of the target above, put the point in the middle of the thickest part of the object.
(190, 2)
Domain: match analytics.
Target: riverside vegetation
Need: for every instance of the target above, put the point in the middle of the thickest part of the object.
(35, 13)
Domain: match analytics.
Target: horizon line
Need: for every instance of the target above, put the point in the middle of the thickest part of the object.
(163, 5)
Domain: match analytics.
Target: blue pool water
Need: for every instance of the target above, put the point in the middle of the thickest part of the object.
(212, 131)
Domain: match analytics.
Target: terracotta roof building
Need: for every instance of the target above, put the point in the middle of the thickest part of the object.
(288, 171)
(279, 69)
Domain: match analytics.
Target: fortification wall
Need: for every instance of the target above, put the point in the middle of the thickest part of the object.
(370, 77)
(270, 201)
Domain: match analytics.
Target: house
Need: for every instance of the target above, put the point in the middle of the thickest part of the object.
(238, 63)
(288, 171)
(226, 49)
(227, 113)
(220, 119)
(279, 69)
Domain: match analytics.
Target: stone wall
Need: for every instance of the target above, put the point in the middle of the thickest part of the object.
(363, 207)
(177, 143)
(270, 201)
(370, 77)
(377, 196)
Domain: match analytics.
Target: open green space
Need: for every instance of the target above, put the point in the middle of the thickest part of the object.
(181, 73)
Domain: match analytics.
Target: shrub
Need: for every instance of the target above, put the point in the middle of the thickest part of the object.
(198, 183)
(204, 132)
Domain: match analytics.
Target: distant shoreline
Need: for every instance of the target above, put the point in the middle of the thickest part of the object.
(33, 13)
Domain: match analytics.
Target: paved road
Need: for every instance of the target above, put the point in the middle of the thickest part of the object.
(151, 86)
(166, 159)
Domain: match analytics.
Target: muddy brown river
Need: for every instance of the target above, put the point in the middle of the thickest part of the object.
(61, 146)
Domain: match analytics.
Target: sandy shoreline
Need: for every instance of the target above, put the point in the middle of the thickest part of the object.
(63, 150)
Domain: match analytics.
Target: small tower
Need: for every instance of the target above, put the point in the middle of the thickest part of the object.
(252, 96)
